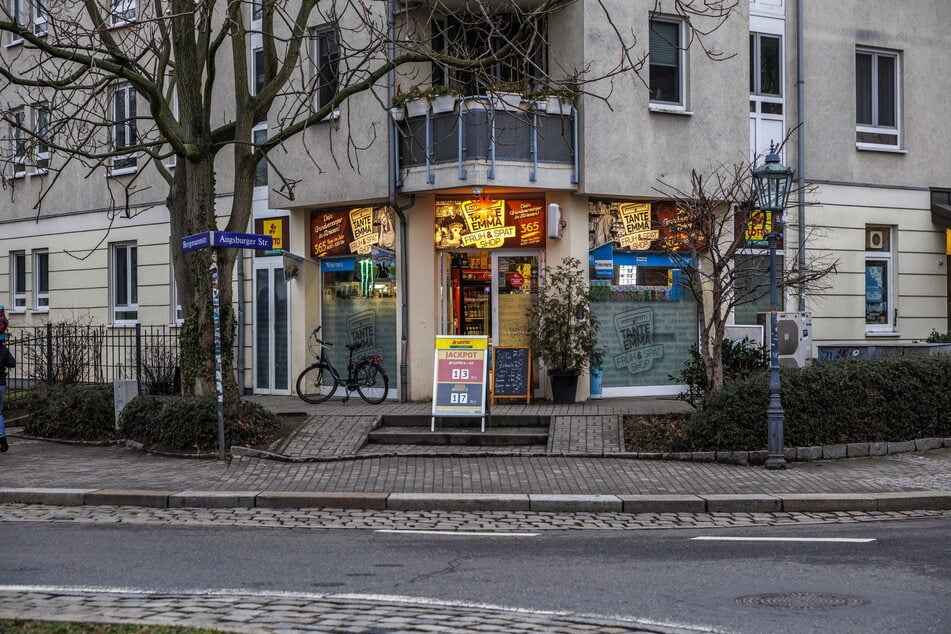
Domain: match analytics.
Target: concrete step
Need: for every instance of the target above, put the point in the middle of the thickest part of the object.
(470, 436)
(507, 420)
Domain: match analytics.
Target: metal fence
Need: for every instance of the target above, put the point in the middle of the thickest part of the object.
(78, 353)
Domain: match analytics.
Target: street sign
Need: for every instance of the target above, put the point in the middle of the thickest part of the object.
(241, 240)
(230, 239)
(197, 241)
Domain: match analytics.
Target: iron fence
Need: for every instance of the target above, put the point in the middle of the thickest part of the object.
(72, 353)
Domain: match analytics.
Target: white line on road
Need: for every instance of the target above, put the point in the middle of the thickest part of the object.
(840, 540)
(453, 533)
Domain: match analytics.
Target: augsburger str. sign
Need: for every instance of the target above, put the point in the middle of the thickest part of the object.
(226, 239)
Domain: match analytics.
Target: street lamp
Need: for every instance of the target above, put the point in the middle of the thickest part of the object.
(771, 182)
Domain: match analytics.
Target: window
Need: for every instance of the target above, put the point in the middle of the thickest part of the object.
(767, 121)
(257, 10)
(521, 69)
(257, 71)
(41, 128)
(879, 275)
(123, 129)
(666, 62)
(18, 134)
(326, 54)
(260, 170)
(122, 11)
(178, 315)
(125, 283)
(18, 280)
(17, 9)
(39, 17)
(41, 280)
(876, 98)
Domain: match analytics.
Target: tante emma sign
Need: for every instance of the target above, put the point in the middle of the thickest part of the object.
(486, 223)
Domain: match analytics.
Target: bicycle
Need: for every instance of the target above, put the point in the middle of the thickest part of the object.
(320, 380)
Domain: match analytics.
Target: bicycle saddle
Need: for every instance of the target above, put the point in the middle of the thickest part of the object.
(354, 346)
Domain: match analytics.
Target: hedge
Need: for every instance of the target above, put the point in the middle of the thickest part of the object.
(190, 424)
(71, 412)
(880, 400)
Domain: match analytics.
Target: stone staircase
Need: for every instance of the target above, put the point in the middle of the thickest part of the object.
(528, 431)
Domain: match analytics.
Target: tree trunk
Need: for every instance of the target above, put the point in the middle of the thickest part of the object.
(191, 205)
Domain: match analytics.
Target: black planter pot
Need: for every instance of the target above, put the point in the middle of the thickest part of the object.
(563, 387)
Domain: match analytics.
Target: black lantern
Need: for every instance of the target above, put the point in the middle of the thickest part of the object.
(771, 182)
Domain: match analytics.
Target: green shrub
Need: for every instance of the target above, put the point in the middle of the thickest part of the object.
(190, 424)
(740, 360)
(937, 337)
(71, 412)
(877, 400)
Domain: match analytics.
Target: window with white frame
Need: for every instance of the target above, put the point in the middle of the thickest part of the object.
(260, 170)
(880, 309)
(18, 280)
(667, 73)
(767, 120)
(178, 315)
(122, 11)
(18, 137)
(125, 283)
(41, 130)
(877, 98)
(326, 55)
(41, 280)
(123, 127)
(257, 70)
(39, 17)
(18, 14)
(257, 10)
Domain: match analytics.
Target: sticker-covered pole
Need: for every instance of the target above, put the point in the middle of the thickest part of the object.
(216, 314)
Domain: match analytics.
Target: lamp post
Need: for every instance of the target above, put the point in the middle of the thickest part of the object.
(771, 182)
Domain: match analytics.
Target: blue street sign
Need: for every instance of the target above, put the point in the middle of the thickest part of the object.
(227, 239)
(241, 240)
(197, 241)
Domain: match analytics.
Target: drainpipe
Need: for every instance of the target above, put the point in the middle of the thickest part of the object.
(402, 241)
(800, 151)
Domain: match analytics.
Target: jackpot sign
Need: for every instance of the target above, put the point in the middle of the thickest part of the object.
(459, 377)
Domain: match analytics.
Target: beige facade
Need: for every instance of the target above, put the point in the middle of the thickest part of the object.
(602, 155)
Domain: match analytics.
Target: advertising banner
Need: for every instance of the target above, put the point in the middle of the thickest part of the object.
(460, 376)
(352, 231)
(489, 224)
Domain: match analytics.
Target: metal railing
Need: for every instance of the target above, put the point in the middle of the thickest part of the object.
(71, 353)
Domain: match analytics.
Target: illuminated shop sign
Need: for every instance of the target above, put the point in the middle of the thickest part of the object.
(352, 231)
(631, 227)
(489, 224)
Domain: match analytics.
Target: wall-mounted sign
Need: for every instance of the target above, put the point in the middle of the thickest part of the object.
(277, 229)
(352, 231)
(629, 226)
(489, 224)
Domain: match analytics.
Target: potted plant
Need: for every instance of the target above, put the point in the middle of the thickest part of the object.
(564, 330)
(442, 98)
(505, 96)
(416, 102)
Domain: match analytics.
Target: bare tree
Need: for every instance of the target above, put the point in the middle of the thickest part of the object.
(189, 63)
(708, 231)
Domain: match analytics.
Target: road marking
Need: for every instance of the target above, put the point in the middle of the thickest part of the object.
(840, 540)
(453, 533)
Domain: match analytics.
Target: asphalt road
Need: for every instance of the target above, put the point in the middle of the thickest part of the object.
(898, 582)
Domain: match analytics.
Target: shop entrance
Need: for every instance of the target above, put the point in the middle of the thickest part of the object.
(489, 293)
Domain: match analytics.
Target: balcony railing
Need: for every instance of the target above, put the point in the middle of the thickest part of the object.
(475, 131)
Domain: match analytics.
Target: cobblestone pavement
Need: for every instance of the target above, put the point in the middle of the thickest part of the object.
(31, 463)
(434, 520)
(291, 612)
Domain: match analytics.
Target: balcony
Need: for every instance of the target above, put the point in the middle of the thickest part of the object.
(483, 142)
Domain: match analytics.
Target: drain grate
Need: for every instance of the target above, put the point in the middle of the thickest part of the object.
(802, 601)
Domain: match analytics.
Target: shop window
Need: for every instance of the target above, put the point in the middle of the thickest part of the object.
(880, 309)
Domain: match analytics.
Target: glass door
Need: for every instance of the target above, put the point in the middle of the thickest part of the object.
(271, 331)
(514, 289)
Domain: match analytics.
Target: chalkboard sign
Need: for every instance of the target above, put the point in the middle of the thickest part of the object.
(512, 373)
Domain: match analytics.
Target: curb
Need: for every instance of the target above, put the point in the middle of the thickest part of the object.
(541, 503)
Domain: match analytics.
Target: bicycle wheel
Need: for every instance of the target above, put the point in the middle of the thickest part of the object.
(372, 382)
(316, 383)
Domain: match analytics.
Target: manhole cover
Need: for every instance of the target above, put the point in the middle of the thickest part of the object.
(802, 600)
